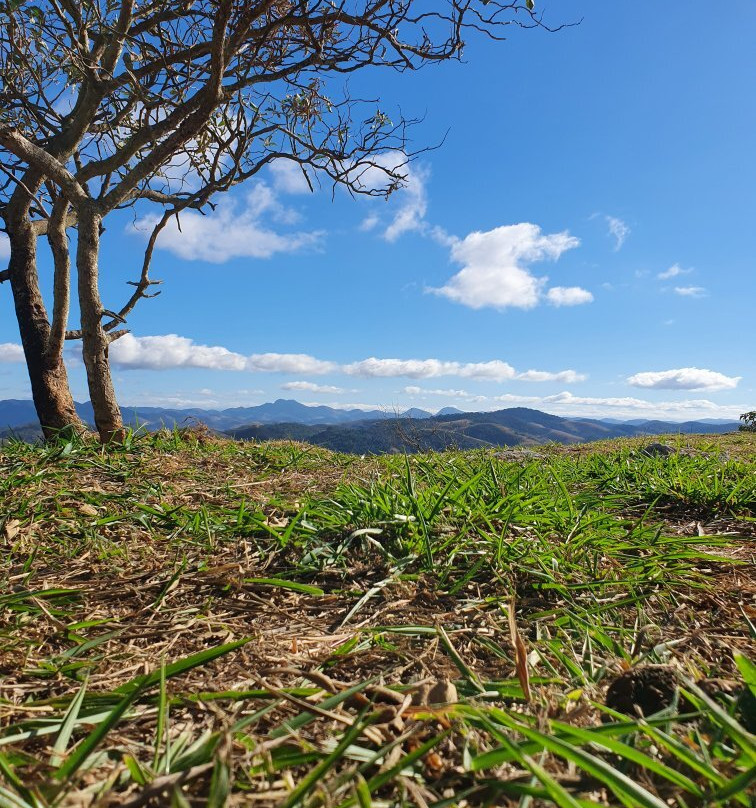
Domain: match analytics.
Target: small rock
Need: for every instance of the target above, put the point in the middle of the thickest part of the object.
(646, 689)
(443, 692)
(657, 450)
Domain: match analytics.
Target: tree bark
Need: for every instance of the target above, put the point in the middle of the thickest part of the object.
(47, 371)
(95, 340)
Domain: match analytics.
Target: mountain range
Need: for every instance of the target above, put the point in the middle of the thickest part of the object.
(373, 431)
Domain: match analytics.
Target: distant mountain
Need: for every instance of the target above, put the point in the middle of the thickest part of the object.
(373, 431)
(449, 411)
(15, 413)
(511, 427)
(414, 412)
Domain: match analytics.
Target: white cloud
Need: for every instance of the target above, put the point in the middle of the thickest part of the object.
(634, 407)
(311, 387)
(407, 205)
(231, 230)
(172, 351)
(690, 291)
(413, 390)
(568, 296)
(370, 222)
(288, 363)
(10, 352)
(618, 230)
(372, 174)
(566, 376)
(373, 367)
(673, 272)
(413, 205)
(684, 379)
(494, 266)
(288, 177)
(569, 405)
(348, 405)
(4, 246)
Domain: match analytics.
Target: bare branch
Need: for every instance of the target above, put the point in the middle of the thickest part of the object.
(44, 162)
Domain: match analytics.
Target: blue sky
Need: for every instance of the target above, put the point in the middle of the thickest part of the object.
(583, 242)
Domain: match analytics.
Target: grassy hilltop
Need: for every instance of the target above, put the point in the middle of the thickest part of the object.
(186, 621)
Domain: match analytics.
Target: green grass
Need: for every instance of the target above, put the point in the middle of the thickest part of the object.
(192, 622)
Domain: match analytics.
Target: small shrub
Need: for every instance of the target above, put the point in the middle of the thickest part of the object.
(749, 421)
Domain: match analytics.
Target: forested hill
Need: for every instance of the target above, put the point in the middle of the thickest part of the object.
(371, 432)
(510, 427)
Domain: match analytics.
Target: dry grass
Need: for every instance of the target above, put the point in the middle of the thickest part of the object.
(308, 602)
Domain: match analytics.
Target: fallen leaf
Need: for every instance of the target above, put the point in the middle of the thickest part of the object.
(521, 652)
(11, 529)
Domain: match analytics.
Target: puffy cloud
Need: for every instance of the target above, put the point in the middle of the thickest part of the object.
(567, 376)
(673, 272)
(618, 230)
(172, 351)
(4, 246)
(10, 352)
(495, 370)
(494, 266)
(311, 387)
(690, 291)
(684, 379)
(232, 230)
(568, 296)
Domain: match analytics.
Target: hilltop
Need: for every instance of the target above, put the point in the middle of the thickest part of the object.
(186, 619)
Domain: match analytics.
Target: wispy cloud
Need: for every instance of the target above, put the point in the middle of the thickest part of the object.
(407, 206)
(673, 272)
(568, 404)
(10, 352)
(566, 376)
(568, 296)
(235, 229)
(288, 177)
(311, 387)
(495, 267)
(618, 230)
(415, 391)
(412, 206)
(4, 246)
(690, 291)
(684, 379)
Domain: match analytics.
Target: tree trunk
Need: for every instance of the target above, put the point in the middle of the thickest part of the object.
(47, 372)
(95, 340)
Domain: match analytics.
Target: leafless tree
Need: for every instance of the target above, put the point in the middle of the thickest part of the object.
(106, 104)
